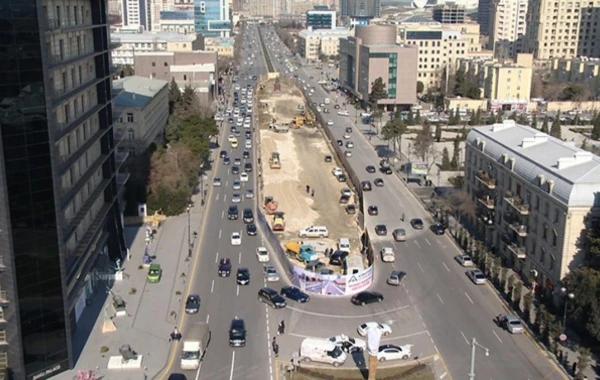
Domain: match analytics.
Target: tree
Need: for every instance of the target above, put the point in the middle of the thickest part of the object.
(378, 92)
(596, 129)
(584, 144)
(491, 119)
(555, 128)
(496, 270)
(522, 119)
(445, 159)
(418, 120)
(410, 120)
(438, 132)
(460, 85)
(518, 292)
(126, 71)
(423, 144)
(534, 122)
(420, 87)
(583, 363)
(461, 204)
(537, 86)
(393, 130)
(593, 243)
(513, 116)
(584, 309)
(544, 128)
(174, 95)
(528, 306)
(455, 153)
(478, 116)
(503, 278)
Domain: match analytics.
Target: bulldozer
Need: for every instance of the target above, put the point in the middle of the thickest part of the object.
(298, 122)
(274, 161)
(278, 224)
(270, 205)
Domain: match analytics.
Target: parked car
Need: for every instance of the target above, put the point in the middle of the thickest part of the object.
(381, 230)
(477, 276)
(438, 229)
(464, 260)
(348, 344)
(394, 352)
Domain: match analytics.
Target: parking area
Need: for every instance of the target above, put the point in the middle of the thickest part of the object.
(302, 163)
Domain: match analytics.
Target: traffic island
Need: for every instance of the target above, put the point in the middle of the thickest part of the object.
(405, 371)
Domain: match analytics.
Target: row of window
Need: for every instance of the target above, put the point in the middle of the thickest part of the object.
(70, 77)
(83, 227)
(76, 106)
(67, 15)
(80, 167)
(70, 143)
(74, 45)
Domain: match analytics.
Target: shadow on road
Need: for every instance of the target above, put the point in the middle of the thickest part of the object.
(383, 151)
(361, 364)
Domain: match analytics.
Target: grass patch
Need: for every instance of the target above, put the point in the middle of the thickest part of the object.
(409, 372)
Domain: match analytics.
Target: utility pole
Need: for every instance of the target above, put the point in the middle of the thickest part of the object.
(189, 208)
(474, 345)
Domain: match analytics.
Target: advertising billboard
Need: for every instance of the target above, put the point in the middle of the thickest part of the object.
(332, 284)
(419, 168)
(359, 281)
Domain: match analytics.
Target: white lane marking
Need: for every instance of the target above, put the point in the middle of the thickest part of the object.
(238, 290)
(445, 266)
(417, 243)
(217, 258)
(440, 298)
(220, 232)
(223, 214)
(421, 268)
(370, 316)
(443, 375)
(240, 260)
(217, 197)
(427, 241)
(207, 318)
(232, 365)
(225, 198)
(198, 372)
(226, 183)
(212, 287)
(464, 337)
(469, 298)
(228, 170)
(497, 337)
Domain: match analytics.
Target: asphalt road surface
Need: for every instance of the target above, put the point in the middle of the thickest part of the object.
(453, 309)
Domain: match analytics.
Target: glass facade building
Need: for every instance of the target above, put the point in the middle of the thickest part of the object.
(59, 180)
(320, 19)
(211, 18)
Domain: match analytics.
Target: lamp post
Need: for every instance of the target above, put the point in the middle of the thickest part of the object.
(568, 296)
(189, 208)
(474, 345)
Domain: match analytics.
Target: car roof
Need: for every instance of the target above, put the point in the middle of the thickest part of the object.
(512, 318)
(386, 346)
(225, 260)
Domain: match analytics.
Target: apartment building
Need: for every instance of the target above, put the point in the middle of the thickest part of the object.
(194, 68)
(131, 44)
(144, 108)
(136, 13)
(507, 85)
(372, 53)
(60, 183)
(483, 16)
(223, 46)
(535, 195)
(321, 19)
(583, 70)
(449, 14)
(313, 43)
(508, 27)
(440, 46)
(565, 29)
(181, 22)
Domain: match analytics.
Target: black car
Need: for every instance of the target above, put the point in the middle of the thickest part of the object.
(251, 229)
(243, 276)
(381, 230)
(237, 333)
(226, 160)
(294, 294)
(224, 267)
(230, 120)
(438, 229)
(373, 210)
(387, 170)
(344, 199)
(223, 154)
(337, 106)
(328, 158)
(364, 298)
(337, 258)
(248, 167)
(371, 169)
(233, 129)
(248, 135)
(351, 209)
(272, 298)
(348, 129)
(248, 215)
(366, 185)
(235, 170)
(378, 182)
(253, 78)
(232, 212)
(340, 143)
(416, 223)
(246, 154)
(192, 304)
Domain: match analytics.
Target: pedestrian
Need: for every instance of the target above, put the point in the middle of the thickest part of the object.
(307, 189)
(282, 327)
(175, 335)
(276, 350)
(574, 367)
(312, 194)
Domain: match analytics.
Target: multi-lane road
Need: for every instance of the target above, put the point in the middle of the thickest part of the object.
(437, 309)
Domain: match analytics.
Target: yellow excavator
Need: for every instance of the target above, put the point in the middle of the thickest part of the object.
(298, 122)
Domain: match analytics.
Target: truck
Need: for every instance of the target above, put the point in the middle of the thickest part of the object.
(278, 128)
(303, 252)
(321, 350)
(194, 346)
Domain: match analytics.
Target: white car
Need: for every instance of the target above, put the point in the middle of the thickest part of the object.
(464, 260)
(219, 117)
(248, 144)
(348, 153)
(387, 255)
(348, 344)
(346, 191)
(236, 198)
(385, 329)
(319, 109)
(237, 185)
(336, 171)
(330, 122)
(346, 136)
(236, 238)
(343, 113)
(217, 182)
(231, 138)
(244, 177)
(262, 255)
(477, 276)
(249, 193)
(394, 352)
(349, 145)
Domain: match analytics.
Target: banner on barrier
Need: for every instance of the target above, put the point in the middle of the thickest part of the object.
(332, 285)
(359, 281)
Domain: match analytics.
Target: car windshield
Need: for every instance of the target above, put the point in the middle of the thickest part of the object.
(190, 355)
(336, 353)
(479, 276)
(515, 323)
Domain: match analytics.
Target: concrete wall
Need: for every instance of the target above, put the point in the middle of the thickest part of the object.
(566, 106)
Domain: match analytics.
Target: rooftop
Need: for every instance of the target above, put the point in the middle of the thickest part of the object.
(138, 91)
(149, 37)
(339, 32)
(540, 159)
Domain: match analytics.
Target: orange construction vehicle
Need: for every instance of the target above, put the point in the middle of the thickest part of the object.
(270, 205)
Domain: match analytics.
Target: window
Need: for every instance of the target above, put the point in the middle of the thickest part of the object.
(131, 134)
(537, 202)
(547, 209)
(153, 64)
(543, 256)
(552, 263)
(556, 215)
(545, 232)
(130, 117)
(166, 64)
(184, 77)
(554, 238)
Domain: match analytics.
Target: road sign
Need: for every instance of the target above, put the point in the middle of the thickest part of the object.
(562, 337)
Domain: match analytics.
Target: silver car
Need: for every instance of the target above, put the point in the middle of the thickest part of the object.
(271, 274)
(237, 185)
(217, 182)
(396, 278)
(236, 198)
(513, 324)
(249, 193)
(477, 277)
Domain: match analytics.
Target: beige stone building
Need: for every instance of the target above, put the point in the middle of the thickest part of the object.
(312, 43)
(132, 44)
(534, 194)
(223, 46)
(563, 29)
(508, 27)
(583, 70)
(440, 46)
(506, 85)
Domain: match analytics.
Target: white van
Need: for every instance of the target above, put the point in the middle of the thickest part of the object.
(321, 350)
(314, 232)
(344, 245)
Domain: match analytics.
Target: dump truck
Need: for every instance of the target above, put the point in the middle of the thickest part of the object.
(298, 122)
(195, 344)
(303, 252)
(270, 205)
(278, 128)
(274, 161)
(278, 223)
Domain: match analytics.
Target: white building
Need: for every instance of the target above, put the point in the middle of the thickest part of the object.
(312, 43)
(134, 43)
(535, 195)
(144, 108)
(508, 27)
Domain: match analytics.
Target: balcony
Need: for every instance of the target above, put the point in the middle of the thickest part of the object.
(517, 250)
(517, 203)
(121, 157)
(485, 179)
(486, 201)
(114, 43)
(519, 229)
(3, 297)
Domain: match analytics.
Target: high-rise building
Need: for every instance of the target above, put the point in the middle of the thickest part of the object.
(483, 16)
(212, 18)
(508, 27)
(135, 13)
(60, 184)
(320, 19)
(449, 14)
(562, 29)
(360, 9)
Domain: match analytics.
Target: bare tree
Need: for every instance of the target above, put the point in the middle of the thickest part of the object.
(461, 204)
(537, 85)
(423, 146)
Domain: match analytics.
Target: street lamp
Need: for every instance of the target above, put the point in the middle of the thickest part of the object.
(189, 208)
(474, 344)
(568, 296)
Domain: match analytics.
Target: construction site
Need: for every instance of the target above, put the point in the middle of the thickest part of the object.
(298, 188)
